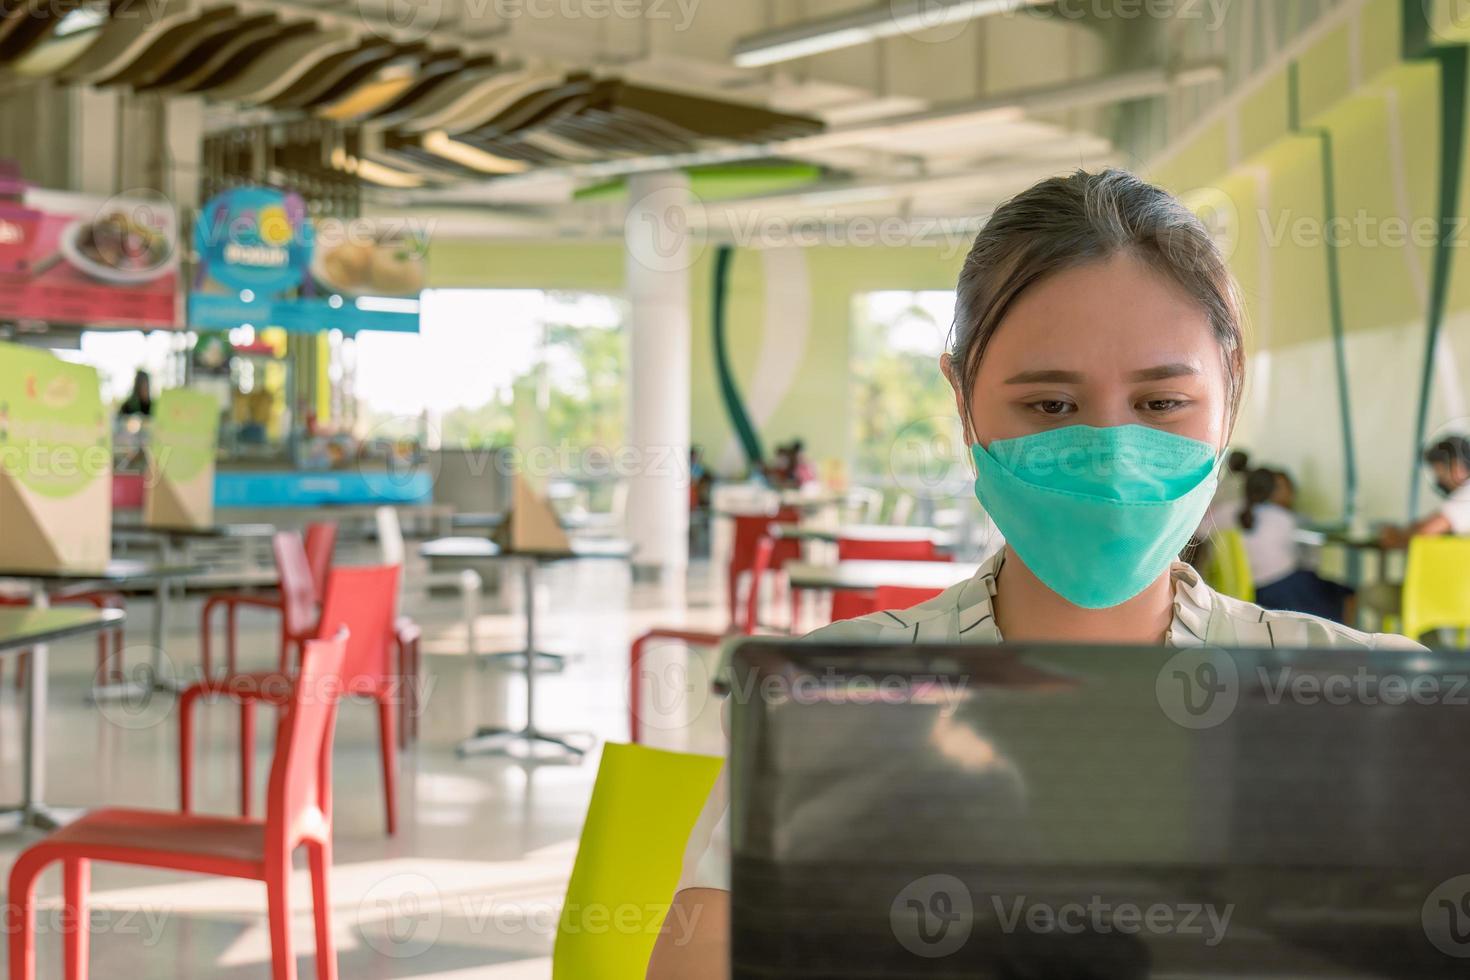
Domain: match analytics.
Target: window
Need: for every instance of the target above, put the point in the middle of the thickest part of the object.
(905, 431)
(118, 355)
(563, 354)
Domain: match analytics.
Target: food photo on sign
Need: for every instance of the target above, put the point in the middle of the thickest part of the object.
(78, 258)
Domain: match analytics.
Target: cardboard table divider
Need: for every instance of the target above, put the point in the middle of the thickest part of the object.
(55, 464)
(533, 523)
(179, 492)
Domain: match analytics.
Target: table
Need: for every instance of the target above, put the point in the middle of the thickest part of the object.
(179, 534)
(491, 740)
(860, 532)
(118, 572)
(865, 576)
(489, 521)
(34, 629)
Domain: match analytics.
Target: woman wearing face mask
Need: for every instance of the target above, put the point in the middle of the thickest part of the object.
(1097, 367)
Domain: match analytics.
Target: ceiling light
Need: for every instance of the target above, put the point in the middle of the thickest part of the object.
(887, 19)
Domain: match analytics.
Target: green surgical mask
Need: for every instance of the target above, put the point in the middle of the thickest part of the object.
(1096, 514)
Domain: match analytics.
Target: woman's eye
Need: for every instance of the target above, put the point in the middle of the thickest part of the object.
(1052, 406)
(1163, 404)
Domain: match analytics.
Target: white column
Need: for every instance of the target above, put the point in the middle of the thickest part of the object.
(659, 252)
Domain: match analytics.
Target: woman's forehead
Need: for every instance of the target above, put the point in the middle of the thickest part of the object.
(1114, 315)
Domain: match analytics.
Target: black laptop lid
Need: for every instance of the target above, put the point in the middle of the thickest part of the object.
(1096, 811)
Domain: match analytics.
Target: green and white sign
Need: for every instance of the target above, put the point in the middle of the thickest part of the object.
(55, 464)
(181, 448)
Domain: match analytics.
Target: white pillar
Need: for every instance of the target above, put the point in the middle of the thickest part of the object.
(659, 253)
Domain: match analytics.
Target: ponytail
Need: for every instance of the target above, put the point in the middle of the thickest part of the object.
(1259, 485)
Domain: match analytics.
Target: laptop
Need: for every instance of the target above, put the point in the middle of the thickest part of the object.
(1116, 813)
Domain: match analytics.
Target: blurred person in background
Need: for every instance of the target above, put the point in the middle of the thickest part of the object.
(140, 401)
(1230, 495)
(1449, 464)
(1268, 525)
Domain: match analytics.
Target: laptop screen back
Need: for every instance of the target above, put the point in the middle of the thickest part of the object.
(1098, 812)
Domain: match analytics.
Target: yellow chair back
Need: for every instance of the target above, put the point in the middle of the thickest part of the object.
(644, 804)
(1436, 585)
(1229, 570)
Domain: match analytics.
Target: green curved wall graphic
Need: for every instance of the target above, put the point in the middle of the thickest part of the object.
(729, 390)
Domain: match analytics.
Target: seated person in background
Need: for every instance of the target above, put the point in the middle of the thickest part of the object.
(802, 470)
(1449, 461)
(778, 471)
(140, 400)
(1229, 495)
(1268, 527)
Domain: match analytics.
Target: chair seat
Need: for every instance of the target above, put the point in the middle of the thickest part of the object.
(164, 839)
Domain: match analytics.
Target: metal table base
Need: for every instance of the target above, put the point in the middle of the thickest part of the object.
(503, 741)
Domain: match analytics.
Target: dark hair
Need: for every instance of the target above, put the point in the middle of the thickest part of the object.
(1237, 461)
(1260, 484)
(1449, 451)
(1064, 222)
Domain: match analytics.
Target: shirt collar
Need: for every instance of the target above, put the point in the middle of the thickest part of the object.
(1194, 602)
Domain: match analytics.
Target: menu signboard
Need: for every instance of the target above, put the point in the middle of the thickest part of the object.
(78, 259)
(266, 263)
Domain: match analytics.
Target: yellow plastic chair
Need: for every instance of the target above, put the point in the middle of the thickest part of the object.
(1229, 569)
(1436, 592)
(644, 804)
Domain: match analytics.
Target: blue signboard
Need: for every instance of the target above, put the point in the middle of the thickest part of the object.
(263, 262)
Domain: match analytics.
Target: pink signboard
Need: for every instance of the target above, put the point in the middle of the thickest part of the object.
(95, 262)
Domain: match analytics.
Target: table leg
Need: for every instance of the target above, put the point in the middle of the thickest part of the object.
(502, 741)
(33, 811)
(160, 676)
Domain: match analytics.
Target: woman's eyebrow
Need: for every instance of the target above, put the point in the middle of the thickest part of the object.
(1163, 372)
(1040, 377)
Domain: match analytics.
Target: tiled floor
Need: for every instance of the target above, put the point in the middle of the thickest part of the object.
(471, 885)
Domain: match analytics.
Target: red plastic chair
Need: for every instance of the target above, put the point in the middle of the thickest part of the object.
(296, 598)
(851, 605)
(750, 529)
(299, 812)
(406, 639)
(361, 599)
(321, 541)
(764, 554)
